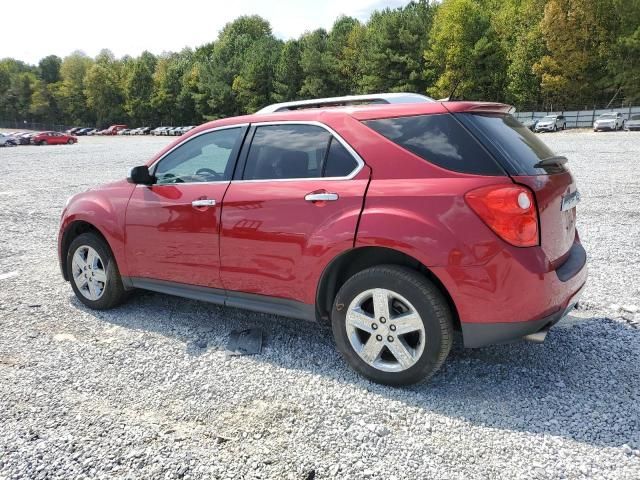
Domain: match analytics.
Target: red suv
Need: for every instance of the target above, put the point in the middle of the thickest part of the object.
(398, 224)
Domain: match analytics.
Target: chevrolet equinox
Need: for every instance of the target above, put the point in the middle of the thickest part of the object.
(396, 223)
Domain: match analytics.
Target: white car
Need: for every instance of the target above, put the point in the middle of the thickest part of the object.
(7, 141)
(551, 123)
(609, 121)
(159, 131)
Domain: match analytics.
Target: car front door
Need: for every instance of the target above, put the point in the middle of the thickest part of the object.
(294, 202)
(172, 226)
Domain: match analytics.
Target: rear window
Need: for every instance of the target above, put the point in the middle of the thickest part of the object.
(519, 149)
(438, 139)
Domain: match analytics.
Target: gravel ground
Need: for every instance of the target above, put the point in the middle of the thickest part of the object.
(145, 391)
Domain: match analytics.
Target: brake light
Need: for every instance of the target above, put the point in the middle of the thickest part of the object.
(509, 211)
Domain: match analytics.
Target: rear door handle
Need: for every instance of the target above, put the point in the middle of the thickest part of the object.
(321, 197)
(203, 203)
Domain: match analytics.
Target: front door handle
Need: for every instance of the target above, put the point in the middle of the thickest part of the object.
(321, 197)
(203, 203)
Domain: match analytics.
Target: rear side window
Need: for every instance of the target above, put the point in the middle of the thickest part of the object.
(438, 139)
(514, 143)
(290, 151)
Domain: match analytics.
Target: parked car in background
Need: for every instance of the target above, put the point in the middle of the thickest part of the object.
(7, 140)
(633, 123)
(83, 131)
(184, 130)
(551, 123)
(25, 138)
(113, 129)
(609, 121)
(159, 130)
(53, 138)
(92, 131)
(394, 255)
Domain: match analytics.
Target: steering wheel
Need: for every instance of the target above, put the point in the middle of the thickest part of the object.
(168, 178)
(208, 171)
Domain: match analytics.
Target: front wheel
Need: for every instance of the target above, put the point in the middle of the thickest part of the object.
(93, 273)
(392, 325)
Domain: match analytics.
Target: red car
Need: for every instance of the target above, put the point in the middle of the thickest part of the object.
(114, 129)
(53, 138)
(398, 224)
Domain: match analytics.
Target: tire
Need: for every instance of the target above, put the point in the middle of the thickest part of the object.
(564, 126)
(405, 291)
(70, 142)
(555, 127)
(112, 292)
(43, 142)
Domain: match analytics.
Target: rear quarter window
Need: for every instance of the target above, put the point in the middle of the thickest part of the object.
(438, 139)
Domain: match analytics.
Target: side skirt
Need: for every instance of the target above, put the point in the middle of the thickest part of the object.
(248, 301)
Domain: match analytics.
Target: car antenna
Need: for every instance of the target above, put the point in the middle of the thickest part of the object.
(453, 90)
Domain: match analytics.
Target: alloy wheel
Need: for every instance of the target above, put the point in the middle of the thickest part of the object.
(89, 273)
(385, 330)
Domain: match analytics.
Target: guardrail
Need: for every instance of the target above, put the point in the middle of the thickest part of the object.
(579, 118)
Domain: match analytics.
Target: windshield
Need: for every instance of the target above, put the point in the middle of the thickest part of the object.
(608, 115)
(549, 117)
(635, 117)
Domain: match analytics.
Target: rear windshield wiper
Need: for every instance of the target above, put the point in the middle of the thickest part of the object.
(555, 161)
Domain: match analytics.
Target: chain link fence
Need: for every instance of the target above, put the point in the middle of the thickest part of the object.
(25, 125)
(579, 118)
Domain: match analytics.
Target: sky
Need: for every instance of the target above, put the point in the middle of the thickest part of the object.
(128, 27)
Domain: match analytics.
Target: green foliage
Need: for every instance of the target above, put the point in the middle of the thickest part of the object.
(395, 40)
(525, 52)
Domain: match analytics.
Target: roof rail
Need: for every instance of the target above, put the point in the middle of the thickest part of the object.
(377, 98)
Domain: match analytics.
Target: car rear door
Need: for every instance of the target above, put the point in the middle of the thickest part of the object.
(172, 226)
(294, 205)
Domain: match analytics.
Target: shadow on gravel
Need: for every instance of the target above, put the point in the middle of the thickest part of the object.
(583, 383)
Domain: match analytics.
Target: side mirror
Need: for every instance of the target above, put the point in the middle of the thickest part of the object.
(141, 176)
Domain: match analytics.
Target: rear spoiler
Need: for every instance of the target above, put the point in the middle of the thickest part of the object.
(478, 107)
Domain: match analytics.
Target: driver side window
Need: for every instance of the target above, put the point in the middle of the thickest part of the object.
(205, 158)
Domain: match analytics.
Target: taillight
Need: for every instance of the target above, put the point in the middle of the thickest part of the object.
(510, 211)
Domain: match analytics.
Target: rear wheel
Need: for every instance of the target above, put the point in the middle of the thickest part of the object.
(70, 141)
(42, 142)
(93, 273)
(392, 325)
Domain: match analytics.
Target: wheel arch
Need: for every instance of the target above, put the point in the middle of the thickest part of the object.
(71, 232)
(347, 264)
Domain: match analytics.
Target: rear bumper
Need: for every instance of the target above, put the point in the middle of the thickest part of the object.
(513, 295)
(483, 334)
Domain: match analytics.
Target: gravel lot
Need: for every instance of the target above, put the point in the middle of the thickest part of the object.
(145, 391)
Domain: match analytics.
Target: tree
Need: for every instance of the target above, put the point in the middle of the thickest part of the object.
(49, 69)
(228, 58)
(287, 79)
(69, 92)
(138, 90)
(394, 45)
(579, 36)
(316, 65)
(103, 89)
